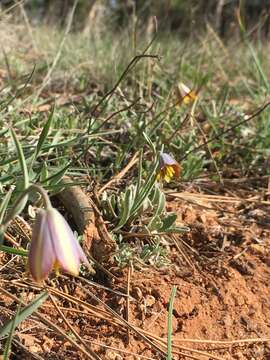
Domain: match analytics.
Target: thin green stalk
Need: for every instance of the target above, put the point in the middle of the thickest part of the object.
(32, 187)
(170, 315)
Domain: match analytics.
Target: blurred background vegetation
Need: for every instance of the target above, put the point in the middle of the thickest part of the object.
(185, 17)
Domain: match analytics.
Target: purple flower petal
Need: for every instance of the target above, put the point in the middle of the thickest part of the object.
(166, 159)
(41, 254)
(168, 167)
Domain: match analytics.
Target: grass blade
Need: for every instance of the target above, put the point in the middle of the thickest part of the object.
(11, 250)
(21, 158)
(4, 204)
(43, 136)
(25, 174)
(23, 314)
(170, 314)
(10, 336)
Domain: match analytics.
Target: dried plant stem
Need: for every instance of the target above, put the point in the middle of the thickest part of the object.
(116, 320)
(221, 133)
(121, 174)
(74, 332)
(122, 320)
(223, 342)
(129, 67)
(139, 357)
(162, 342)
(49, 323)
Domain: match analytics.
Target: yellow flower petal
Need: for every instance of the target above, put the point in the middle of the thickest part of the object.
(170, 171)
(167, 178)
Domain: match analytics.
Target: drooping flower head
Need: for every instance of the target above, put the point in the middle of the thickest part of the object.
(186, 94)
(53, 246)
(168, 167)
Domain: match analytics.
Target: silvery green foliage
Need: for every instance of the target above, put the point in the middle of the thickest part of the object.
(151, 214)
(141, 206)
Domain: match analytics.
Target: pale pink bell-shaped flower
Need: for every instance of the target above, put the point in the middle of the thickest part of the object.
(53, 246)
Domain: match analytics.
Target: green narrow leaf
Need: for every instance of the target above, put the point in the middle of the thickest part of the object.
(10, 336)
(170, 315)
(147, 188)
(4, 204)
(155, 224)
(18, 92)
(43, 136)
(57, 176)
(139, 178)
(150, 143)
(149, 183)
(44, 173)
(23, 314)
(11, 250)
(111, 206)
(160, 205)
(127, 206)
(23, 165)
(21, 158)
(258, 65)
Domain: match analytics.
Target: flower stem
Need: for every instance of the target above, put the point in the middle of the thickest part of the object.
(33, 187)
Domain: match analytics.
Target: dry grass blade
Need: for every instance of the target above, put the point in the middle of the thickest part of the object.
(121, 351)
(219, 174)
(49, 323)
(163, 343)
(92, 354)
(25, 349)
(122, 320)
(224, 132)
(182, 252)
(223, 342)
(216, 198)
(145, 335)
(92, 283)
(121, 174)
(116, 320)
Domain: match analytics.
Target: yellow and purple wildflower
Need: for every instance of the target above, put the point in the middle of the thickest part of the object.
(186, 94)
(53, 246)
(168, 167)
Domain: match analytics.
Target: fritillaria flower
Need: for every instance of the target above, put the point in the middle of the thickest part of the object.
(168, 167)
(186, 94)
(53, 246)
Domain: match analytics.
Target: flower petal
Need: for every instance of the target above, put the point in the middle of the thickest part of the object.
(170, 171)
(41, 253)
(166, 159)
(187, 94)
(168, 167)
(67, 250)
